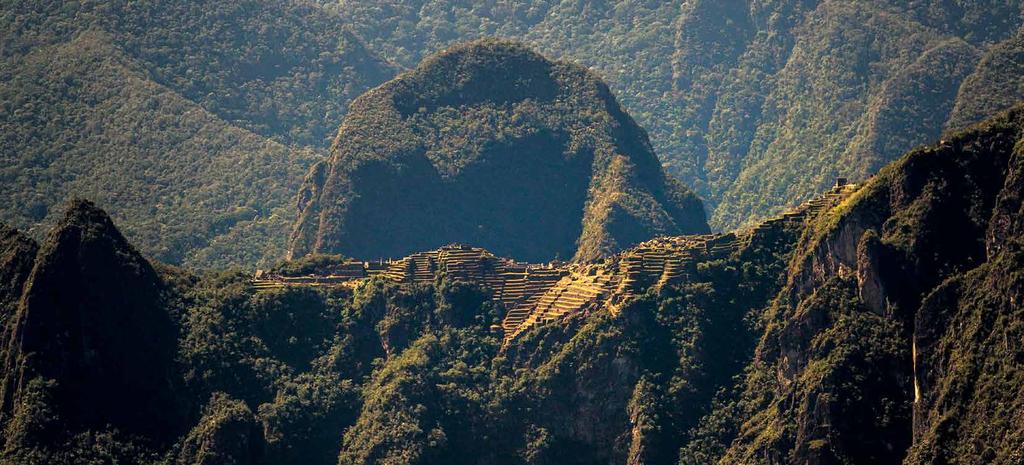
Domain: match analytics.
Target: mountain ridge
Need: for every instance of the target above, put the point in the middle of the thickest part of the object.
(171, 99)
(850, 329)
(89, 336)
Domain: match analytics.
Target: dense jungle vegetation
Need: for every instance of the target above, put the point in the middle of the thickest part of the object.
(493, 145)
(192, 122)
(878, 331)
(754, 106)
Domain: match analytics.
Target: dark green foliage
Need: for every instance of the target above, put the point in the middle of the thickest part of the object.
(305, 422)
(493, 145)
(846, 379)
(969, 367)
(185, 119)
(319, 264)
(426, 405)
(244, 343)
(855, 364)
(756, 105)
(309, 359)
(92, 345)
(227, 434)
(17, 254)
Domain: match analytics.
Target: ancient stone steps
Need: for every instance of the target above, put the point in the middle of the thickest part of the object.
(570, 295)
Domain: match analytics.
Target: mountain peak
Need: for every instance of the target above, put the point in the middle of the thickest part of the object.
(91, 319)
(491, 144)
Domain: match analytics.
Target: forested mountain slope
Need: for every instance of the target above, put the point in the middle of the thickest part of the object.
(280, 68)
(755, 104)
(883, 328)
(998, 78)
(892, 330)
(86, 120)
(186, 119)
(90, 346)
(491, 144)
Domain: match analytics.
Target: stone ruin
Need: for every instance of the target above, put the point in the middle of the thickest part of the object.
(536, 294)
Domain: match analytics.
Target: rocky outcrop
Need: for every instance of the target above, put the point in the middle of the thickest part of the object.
(493, 145)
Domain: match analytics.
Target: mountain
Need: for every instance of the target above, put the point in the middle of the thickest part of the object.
(733, 93)
(886, 344)
(491, 144)
(752, 104)
(996, 80)
(167, 167)
(151, 109)
(283, 69)
(876, 323)
(91, 345)
(836, 89)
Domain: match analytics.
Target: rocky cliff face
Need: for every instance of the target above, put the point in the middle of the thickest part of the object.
(493, 145)
(896, 301)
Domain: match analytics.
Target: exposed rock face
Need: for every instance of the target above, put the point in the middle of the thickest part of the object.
(969, 366)
(915, 278)
(493, 145)
(969, 360)
(870, 284)
(91, 336)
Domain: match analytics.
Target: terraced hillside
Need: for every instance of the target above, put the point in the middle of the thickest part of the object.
(534, 294)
